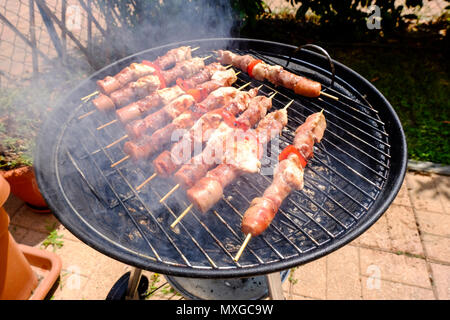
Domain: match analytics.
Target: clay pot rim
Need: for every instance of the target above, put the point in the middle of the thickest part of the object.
(17, 171)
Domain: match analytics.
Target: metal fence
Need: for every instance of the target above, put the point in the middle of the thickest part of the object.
(36, 34)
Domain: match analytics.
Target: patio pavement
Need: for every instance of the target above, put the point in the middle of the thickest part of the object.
(404, 255)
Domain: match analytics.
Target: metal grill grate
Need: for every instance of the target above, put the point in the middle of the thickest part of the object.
(345, 178)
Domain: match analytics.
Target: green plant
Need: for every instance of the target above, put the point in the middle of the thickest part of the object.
(53, 238)
(347, 19)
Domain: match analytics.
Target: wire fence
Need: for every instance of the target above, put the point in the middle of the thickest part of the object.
(36, 34)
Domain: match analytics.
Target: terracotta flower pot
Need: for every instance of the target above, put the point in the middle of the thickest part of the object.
(24, 185)
(17, 280)
(25, 272)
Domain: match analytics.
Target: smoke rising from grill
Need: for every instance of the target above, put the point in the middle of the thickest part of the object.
(146, 24)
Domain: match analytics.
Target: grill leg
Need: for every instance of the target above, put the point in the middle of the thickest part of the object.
(132, 293)
(274, 285)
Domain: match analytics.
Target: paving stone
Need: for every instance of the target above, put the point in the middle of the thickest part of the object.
(423, 192)
(437, 247)
(71, 286)
(443, 186)
(35, 221)
(403, 230)
(298, 297)
(76, 255)
(18, 233)
(388, 290)
(434, 223)
(12, 205)
(402, 197)
(377, 235)
(311, 279)
(441, 280)
(103, 277)
(394, 267)
(33, 238)
(343, 276)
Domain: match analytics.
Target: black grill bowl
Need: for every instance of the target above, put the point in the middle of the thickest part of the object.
(354, 176)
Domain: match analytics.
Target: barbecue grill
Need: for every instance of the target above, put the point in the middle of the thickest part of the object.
(355, 174)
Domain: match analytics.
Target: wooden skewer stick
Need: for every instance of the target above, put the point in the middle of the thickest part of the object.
(146, 181)
(107, 124)
(116, 142)
(86, 114)
(288, 104)
(329, 95)
(169, 193)
(120, 161)
(196, 48)
(181, 216)
(207, 57)
(88, 96)
(241, 249)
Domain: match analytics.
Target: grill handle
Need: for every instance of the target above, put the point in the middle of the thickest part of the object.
(317, 48)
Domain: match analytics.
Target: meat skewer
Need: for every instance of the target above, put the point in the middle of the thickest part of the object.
(220, 96)
(148, 145)
(209, 190)
(162, 97)
(275, 74)
(161, 117)
(110, 84)
(136, 70)
(233, 102)
(288, 176)
(169, 161)
(222, 146)
(148, 101)
(146, 85)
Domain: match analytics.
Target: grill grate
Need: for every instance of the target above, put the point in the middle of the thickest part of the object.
(343, 181)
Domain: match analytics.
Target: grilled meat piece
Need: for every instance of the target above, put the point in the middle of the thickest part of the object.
(274, 74)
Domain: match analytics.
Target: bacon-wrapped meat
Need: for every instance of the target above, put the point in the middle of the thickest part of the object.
(162, 97)
(172, 110)
(148, 104)
(183, 69)
(132, 73)
(139, 150)
(274, 74)
(209, 190)
(173, 56)
(169, 161)
(226, 144)
(288, 176)
(147, 84)
(159, 118)
(138, 70)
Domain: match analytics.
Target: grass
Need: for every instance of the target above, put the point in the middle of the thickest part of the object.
(416, 83)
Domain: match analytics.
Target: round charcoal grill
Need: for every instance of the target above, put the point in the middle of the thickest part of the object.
(355, 174)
